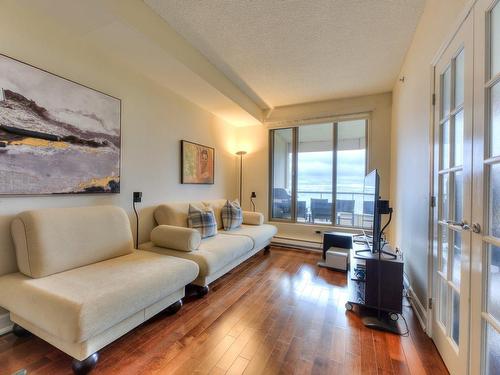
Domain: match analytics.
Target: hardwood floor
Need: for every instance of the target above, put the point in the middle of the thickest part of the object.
(277, 313)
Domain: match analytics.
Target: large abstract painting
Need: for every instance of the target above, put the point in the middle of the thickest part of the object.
(197, 163)
(56, 136)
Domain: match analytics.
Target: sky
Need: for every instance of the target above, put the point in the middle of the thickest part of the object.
(315, 170)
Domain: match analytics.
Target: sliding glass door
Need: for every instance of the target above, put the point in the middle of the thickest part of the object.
(282, 161)
(315, 162)
(317, 173)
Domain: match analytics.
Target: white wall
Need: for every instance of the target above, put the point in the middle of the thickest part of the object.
(410, 140)
(154, 120)
(255, 140)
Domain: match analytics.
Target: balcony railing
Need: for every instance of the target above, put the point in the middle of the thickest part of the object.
(316, 207)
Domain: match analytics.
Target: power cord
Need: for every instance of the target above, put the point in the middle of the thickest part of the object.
(407, 332)
(386, 225)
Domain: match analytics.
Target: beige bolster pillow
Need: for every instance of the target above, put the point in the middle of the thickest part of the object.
(253, 218)
(177, 238)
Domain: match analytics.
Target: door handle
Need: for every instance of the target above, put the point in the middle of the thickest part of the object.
(476, 228)
(461, 224)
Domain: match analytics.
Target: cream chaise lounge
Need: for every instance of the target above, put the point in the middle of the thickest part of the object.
(82, 285)
(216, 255)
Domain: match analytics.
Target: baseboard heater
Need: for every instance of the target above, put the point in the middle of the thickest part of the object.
(297, 243)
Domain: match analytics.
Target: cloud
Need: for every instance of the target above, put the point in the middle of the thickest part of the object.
(315, 170)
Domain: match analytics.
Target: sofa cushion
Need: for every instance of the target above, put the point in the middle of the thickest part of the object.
(259, 234)
(54, 240)
(213, 254)
(253, 218)
(203, 220)
(83, 302)
(174, 213)
(177, 238)
(232, 215)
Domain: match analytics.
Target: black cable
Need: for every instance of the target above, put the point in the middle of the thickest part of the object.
(386, 225)
(253, 204)
(136, 227)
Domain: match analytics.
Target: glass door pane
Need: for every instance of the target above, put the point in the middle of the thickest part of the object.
(495, 120)
(350, 172)
(446, 93)
(445, 145)
(495, 40)
(315, 174)
(281, 193)
(459, 79)
(493, 281)
(459, 139)
(493, 351)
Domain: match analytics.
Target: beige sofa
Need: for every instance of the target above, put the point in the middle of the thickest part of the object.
(216, 255)
(82, 285)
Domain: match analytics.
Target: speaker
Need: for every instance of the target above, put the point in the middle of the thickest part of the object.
(337, 239)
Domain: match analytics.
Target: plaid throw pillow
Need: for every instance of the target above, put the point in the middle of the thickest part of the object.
(203, 221)
(232, 216)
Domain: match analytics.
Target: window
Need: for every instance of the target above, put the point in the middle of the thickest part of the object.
(310, 165)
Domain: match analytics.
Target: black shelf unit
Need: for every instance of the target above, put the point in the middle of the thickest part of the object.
(365, 292)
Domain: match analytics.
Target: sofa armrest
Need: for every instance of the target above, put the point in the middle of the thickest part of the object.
(253, 218)
(177, 238)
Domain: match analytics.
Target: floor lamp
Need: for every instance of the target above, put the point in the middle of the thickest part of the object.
(240, 154)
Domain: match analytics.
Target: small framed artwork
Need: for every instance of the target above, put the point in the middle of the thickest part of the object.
(197, 163)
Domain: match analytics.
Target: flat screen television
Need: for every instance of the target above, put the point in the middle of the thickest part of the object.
(371, 215)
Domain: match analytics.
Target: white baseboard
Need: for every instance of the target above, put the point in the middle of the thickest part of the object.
(296, 243)
(416, 304)
(5, 323)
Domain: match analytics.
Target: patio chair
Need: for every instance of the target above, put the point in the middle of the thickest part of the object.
(321, 209)
(281, 203)
(345, 210)
(301, 210)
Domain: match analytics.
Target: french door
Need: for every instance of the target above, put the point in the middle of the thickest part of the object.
(485, 277)
(452, 188)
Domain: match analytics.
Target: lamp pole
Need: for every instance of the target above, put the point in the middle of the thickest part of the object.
(240, 154)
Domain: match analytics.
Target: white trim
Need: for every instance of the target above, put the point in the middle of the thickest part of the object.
(313, 120)
(297, 244)
(5, 323)
(456, 27)
(418, 308)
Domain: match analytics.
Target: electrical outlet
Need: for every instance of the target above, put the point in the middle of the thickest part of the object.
(137, 196)
(254, 195)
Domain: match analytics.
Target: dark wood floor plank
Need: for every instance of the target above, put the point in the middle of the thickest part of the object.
(277, 313)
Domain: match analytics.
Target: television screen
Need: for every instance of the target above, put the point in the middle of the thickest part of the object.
(371, 219)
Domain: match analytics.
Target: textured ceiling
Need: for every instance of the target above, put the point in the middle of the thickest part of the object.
(282, 52)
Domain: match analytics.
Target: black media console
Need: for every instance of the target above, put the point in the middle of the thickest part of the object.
(386, 299)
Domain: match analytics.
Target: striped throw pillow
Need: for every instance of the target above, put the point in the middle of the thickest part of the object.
(203, 220)
(232, 216)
